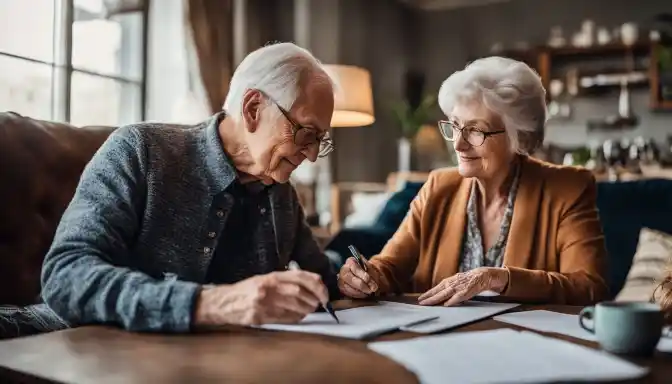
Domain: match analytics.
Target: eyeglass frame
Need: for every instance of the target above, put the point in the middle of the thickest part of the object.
(296, 127)
(455, 125)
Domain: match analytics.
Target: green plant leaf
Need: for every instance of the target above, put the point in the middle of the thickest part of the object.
(411, 120)
(665, 58)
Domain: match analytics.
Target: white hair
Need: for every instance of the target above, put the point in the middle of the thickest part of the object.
(280, 71)
(508, 88)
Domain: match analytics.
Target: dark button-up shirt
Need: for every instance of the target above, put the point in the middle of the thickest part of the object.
(236, 256)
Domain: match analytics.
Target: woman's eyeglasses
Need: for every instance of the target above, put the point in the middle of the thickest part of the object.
(473, 133)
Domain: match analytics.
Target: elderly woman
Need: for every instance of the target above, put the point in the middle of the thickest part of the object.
(502, 221)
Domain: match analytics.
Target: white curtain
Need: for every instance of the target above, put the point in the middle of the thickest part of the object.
(175, 92)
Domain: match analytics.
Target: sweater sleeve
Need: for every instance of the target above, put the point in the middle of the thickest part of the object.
(398, 260)
(85, 278)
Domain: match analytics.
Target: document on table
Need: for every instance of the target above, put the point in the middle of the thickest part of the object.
(508, 356)
(450, 317)
(554, 322)
(487, 294)
(355, 323)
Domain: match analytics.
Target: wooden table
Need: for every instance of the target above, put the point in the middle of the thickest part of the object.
(231, 355)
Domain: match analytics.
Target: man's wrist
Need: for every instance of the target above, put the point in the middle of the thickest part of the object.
(194, 307)
(209, 306)
(199, 311)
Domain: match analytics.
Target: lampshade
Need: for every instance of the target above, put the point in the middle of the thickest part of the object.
(353, 100)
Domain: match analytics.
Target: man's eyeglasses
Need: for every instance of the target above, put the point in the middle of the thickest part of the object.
(307, 136)
(473, 133)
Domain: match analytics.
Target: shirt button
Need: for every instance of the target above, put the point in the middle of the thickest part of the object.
(220, 213)
(206, 250)
(212, 235)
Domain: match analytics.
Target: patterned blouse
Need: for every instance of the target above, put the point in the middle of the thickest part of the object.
(473, 254)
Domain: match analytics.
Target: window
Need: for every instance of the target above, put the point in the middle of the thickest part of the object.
(79, 61)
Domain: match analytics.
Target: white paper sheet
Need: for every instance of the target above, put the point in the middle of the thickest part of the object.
(487, 294)
(355, 323)
(554, 322)
(451, 317)
(503, 356)
(547, 321)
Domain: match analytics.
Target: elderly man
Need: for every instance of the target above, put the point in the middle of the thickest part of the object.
(173, 228)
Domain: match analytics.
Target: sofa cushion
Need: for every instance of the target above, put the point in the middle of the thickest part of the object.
(625, 208)
(649, 266)
(397, 207)
(369, 241)
(366, 207)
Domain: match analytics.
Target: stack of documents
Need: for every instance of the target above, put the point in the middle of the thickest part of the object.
(365, 322)
(504, 356)
(561, 323)
(355, 323)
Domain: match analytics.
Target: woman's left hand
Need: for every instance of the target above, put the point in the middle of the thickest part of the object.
(463, 286)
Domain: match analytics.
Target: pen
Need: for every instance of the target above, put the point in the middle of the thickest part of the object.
(358, 256)
(293, 265)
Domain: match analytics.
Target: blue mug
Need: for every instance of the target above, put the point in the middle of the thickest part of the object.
(628, 328)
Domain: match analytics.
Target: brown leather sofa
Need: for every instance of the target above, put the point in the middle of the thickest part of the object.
(40, 166)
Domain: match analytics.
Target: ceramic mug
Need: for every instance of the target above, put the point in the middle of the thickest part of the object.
(629, 328)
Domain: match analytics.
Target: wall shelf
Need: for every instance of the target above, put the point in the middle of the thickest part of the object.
(598, 50)
(554, 63)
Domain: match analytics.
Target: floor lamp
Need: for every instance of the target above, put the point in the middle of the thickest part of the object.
(353, 100)
(353, 107)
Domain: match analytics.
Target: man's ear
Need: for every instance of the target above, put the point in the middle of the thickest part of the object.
(252, 102)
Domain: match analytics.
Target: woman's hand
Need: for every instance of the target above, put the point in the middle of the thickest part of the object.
(354, 282)
(464, 286)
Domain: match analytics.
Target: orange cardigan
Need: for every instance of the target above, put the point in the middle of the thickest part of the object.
(555, 252)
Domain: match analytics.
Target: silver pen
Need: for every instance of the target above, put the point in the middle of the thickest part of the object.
(358, 257)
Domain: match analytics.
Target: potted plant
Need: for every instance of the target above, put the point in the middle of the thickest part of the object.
(410, 120)
(665, 65)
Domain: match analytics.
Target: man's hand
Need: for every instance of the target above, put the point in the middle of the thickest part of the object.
(278, 297)
(464, 286)
(354, 282)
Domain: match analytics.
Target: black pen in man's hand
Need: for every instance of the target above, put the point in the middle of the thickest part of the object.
(293, 265)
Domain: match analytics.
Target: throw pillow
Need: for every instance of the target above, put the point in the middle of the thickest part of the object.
(397, 207)
(649, 266)
(365, 209)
